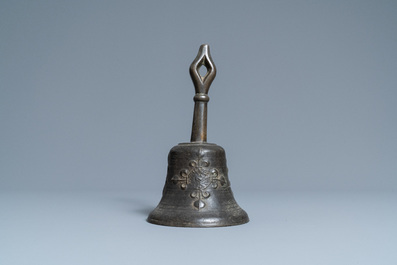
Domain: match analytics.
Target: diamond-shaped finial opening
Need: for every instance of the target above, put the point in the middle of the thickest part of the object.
(203, 71)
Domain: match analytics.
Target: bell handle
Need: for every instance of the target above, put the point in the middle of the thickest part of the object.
(202, 85)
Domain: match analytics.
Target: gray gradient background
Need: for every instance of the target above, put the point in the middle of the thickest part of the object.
(95, 93)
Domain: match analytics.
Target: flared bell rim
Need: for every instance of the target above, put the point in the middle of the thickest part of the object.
(210, 219)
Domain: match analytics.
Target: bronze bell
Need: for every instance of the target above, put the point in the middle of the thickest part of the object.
(197, 190)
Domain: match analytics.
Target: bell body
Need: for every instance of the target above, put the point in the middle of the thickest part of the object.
(197, 191)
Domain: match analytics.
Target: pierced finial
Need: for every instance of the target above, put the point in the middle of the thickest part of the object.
(202, 85)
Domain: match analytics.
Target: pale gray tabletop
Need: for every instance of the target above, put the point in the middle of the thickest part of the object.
(285, 228)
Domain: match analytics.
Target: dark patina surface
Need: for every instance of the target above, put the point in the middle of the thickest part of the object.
(197, 191)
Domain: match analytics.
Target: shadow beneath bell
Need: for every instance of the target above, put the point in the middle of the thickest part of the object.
(145, 211)
(137, 206)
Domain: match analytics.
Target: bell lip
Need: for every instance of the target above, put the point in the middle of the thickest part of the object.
(208, 221)
(196, 226)
(155, 222)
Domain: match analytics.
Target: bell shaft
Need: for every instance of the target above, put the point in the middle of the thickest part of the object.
(199, 127)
